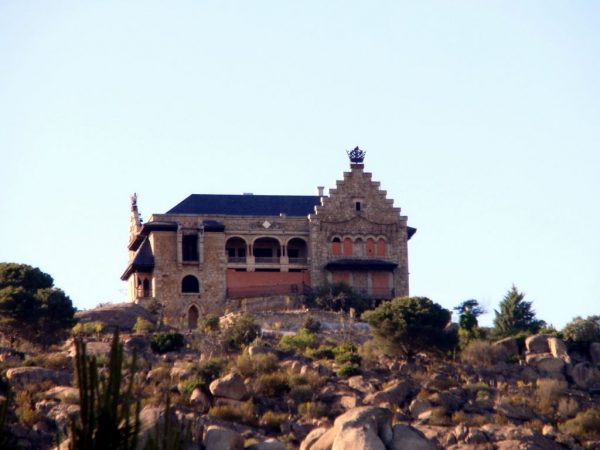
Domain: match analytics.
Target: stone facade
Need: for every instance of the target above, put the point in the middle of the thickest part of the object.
(209, 250)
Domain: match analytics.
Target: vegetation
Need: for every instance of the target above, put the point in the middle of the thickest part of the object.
(580, 333)
(106, 418)
(337, 297)
(298, 342)
(87, 329)
(480, 353)
(167, 342)
(242, 331)
(143, 326)
(31, 308)
(516, 315)
(208, 323)
(408, 325)
(585, 424)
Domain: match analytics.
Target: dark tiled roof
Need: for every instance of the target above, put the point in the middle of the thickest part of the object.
(410, 231)
(247, 205)
(147, 228)
(360, 264)
(143, 261)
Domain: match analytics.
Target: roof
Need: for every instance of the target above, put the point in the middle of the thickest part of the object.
(410, 231)
(360, 264)
(247, 205)
(143, 261)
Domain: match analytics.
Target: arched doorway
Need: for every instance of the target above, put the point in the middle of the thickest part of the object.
(193, 317)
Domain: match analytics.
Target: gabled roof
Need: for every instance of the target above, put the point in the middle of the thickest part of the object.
(143, 261)
(247, 205)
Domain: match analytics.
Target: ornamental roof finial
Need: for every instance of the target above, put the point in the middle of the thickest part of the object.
(356, 156)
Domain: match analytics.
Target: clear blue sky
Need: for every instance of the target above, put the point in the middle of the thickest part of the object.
(481, 119)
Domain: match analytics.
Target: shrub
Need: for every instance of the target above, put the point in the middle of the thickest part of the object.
(337, 297)
(242, 330)
(55, 361)
(250, 366)
(584, 425)
(299, 342)
(348, 358)
(322, 352)
(312, 410)
(567, 408)
(203, 374)
(302, 393)
(273, 420)
(408, 325)
(243, 413)
(579, 333)
(209, 323)
(547, 394)
(24, 408)
(312, 325)
(349, 370)
(167, 342)
(271, 384)
(143, 326)
(87, 329)
(482, 354)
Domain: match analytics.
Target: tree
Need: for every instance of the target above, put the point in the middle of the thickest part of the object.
(580, 333)
(408, 325)
(468, 312)
(516, 315)
(31, 308)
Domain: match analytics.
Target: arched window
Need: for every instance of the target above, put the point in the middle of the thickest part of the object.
(190, 285)
(347, 247)
(336, 247)
(146, 286)
(370, 247)
(381, 247)
(193, 318)
(359, 247)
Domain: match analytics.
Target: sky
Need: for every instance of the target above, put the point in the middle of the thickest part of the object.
(480, 119)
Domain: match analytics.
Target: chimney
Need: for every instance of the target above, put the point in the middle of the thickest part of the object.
(320, 189)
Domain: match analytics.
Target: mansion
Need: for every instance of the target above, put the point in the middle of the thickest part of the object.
(210, 249)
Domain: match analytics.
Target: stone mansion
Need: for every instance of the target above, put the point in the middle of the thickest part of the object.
(210, 249)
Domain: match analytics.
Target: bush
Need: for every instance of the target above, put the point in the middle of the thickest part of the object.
(584, 425)
(408, 325)
(209, 323)
(143, 326)
(312, 325)
(337, 297)
(482, 354)
(322, 352)
(243, 413)
(312, 410)
(167, 342)
(250, 366)
(87, 329)
(273, 420)
(547, 394)
(349, 370)
(579, 333)
(271, 384)
(299, 342)
(242, 330)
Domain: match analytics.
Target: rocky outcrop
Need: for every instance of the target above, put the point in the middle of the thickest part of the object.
(548, 354)
(221, 438)
(508, 347)
(585, 375)
(397, 394)
(407, 437)
(22, 376)
(118, 315)
(230, 386)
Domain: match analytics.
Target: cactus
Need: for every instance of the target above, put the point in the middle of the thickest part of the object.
(105, 420)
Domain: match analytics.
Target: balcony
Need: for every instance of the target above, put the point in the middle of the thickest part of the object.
(266, 260)
(236, 259)
(298, 260)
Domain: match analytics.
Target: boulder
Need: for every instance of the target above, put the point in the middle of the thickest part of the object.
(92, 348)
(65, 394)
(508, 346)
(22, 376)
(407, 437)
(138, 343)
(152, 417)
(419, 406)
(269, 444)
(358, 382)
(255, 349)
(117, 315)
(585, 375)
(545, 362)
(370, 420)
(514, 411)
(358, 438)
(221, 438)
(230, 386)
(595, 352)
(538, 343)
(9, 355)
(559, 349)
(398, 394)
(448, 401)
(199, 400)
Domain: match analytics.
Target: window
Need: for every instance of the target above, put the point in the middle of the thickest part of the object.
(189, 247)
(190, 285)
(357, 205)
(146, 285)
(336, 247)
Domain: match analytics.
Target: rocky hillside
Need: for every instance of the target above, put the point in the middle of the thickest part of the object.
(318, 388)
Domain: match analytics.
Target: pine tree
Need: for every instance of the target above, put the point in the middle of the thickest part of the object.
(516, 315)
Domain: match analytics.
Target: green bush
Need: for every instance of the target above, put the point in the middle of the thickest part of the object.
(313, 410)
(271, 384)
(250, 366)
(349, 370)
(167, 342)
(408, 325)
(244, 413)
(242, 331)
(516, 315)
(322, 352)
(580, 332)
(143, 326)
(584, 425)
(312, 325)
(209, 323)
(299, 342)
(337, 297)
